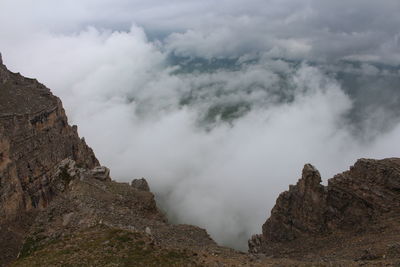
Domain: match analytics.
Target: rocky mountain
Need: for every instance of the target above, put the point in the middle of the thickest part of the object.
(355, 217)
(34, 138)
(59, 207)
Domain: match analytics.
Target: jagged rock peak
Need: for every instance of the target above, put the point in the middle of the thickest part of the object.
(310, 173)
(310, 178)
(299, 210)
(1, 59)
(353, 202)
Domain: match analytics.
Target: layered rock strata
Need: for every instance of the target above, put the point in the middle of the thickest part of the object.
(34, 138)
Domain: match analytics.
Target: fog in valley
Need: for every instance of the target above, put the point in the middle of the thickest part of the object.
(217, 104)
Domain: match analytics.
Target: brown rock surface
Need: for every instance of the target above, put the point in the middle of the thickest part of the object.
(85, 204)
(140, 184)
(34, 138)
(84, 201)
(357, 211)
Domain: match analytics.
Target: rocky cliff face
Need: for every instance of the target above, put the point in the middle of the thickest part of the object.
(357, 202)
(34, 137)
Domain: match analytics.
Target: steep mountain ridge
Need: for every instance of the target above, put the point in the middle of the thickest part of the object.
(34, 138)
(359, 208)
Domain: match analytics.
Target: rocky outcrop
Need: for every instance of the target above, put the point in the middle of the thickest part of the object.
(140, 184)
(34, 138)
(86, 201)
(353, 202)
(84, 198)
(300, 210)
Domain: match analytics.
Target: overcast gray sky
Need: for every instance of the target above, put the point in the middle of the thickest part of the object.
(354, 29)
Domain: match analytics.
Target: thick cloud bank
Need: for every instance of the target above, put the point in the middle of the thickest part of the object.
(218, 105)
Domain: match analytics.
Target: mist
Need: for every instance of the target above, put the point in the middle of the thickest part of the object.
(217, 106)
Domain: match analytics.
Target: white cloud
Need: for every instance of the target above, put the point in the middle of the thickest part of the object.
(116, 84)
(364, 30)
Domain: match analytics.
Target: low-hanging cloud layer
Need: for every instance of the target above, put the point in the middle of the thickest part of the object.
(364, 30)
(220, 104)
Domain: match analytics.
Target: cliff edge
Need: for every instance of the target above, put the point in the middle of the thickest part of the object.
(356, 216)
(34, 137)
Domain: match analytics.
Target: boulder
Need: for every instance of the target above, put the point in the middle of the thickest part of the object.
(100, 173)
(140, 184)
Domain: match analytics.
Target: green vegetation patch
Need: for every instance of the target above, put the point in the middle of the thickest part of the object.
(31, 244)
(102, 246)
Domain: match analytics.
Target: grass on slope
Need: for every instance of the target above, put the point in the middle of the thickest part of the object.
(100, 246)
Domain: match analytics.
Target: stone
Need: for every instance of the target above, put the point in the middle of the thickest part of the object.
(140, 184)
(368, 255)
(67, 218)
(100, 173)
(148, 230)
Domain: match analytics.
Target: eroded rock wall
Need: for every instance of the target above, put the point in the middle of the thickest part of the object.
(34, 137)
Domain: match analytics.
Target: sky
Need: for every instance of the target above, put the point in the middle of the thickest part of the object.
(218, 104)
